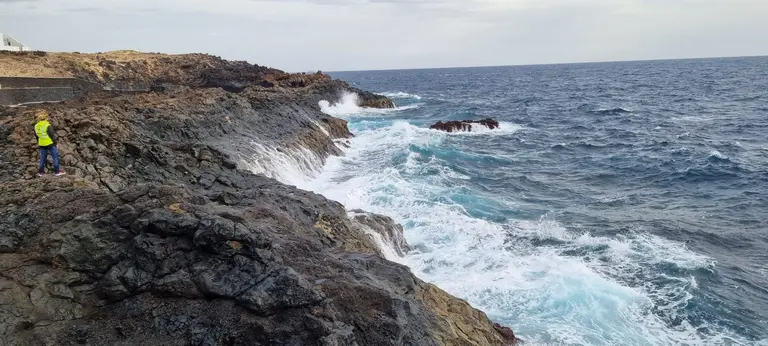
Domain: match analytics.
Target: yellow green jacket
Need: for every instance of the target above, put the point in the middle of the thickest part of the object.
(45, 135)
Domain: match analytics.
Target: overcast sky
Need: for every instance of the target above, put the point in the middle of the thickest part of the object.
(304, 35)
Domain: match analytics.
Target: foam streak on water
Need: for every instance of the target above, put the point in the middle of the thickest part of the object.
(472, 258)
(494, 218)
(349, 105)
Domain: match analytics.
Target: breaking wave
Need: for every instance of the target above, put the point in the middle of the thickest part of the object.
(349, 104)
(293, 166)
(400, 95)
(553, 285)
(572, 228)
(532, 270)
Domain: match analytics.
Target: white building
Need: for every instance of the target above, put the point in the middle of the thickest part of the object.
(9, 43)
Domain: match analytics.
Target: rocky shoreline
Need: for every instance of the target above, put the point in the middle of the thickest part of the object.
(159, 236)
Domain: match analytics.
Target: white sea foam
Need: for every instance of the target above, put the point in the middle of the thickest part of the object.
(548, 293)
(385, 245)
(290, 166)
(400, 95)
(717, 154)
(505, 128)
(349, 104)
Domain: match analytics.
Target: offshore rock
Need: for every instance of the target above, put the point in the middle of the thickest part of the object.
(156, 237)
(464, 125)
(371, 100)
(377, 103)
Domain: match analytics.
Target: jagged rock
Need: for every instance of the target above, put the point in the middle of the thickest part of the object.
(155, 237)
(229, 198)
(384, 227)
(114, 183)
(125, 215)
(280, 291)
(464, 125)
(132, 150)
(160, 73)
(229, 163)
(165, 222)
(506, 333)
(5, 131)
(377, 103)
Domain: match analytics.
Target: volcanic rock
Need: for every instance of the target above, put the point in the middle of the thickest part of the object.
(157, 236)
(128, 70)
(464, 125)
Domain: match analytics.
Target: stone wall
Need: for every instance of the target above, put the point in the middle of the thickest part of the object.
(18, 96)
(32, 82)
(17, 90)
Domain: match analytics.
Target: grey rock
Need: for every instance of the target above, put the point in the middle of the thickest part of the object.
(229, 198)
(166, 222)
(229, 163)
(178, 284)
(125, 215)
(84, 247)
(114, 183)
(284, 289)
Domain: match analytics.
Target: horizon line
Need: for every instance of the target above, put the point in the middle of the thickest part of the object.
(548, 64)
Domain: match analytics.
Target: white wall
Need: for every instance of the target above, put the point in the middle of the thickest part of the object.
(9, 43)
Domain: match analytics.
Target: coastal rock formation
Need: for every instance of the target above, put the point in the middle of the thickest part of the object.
(371, 100)
(134, 71)
(157, 236)
(464, 125)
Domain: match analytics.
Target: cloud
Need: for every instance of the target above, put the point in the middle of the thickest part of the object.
(305, 35)
(86, 9)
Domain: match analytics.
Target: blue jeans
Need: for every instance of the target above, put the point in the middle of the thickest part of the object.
(44, 157)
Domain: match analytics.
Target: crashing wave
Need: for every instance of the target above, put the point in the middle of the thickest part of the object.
(294, 166)
(612, 111)
(400, 95)
(349, 104)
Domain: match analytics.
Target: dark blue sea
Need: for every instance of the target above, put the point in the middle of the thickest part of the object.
(619, 203)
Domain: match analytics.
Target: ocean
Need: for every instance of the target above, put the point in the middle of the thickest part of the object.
(619, 203)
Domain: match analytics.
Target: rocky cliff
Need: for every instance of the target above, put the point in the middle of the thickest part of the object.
(129, 70)
(159, 236)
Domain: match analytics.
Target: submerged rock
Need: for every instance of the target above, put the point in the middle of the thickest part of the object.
(464, 125)
(155, 237)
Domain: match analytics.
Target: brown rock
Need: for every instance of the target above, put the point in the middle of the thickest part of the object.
(378, 103)
(506, 333)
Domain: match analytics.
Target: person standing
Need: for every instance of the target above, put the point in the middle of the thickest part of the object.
(46, 142)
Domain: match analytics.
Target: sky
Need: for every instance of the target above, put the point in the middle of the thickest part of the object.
(334, 35)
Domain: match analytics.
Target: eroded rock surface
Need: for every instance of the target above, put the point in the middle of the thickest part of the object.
(158, 236)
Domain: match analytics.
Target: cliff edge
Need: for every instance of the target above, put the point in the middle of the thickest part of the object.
(160, 236)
